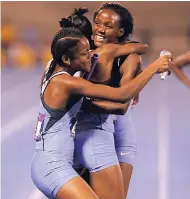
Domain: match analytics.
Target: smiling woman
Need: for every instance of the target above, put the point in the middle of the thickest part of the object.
(52, 170)
(94, 139)
(109, 23)
(116, 22)
(112, 23)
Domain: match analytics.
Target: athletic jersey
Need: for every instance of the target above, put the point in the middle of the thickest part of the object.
(50, 121)
(52, 163)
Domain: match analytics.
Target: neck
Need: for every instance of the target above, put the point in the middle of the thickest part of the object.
(114, 42)
(62, 68)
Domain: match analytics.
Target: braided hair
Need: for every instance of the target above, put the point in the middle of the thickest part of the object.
(64, 43)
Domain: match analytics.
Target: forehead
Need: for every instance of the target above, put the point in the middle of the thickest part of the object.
(83, 43)
(108, 15)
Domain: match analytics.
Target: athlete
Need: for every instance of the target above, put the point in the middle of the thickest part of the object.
(86, 122)
(51, 168)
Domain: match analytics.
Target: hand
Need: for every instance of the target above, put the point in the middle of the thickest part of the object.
(163, 64)
(135, 100)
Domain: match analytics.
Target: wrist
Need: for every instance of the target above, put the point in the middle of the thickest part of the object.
(152, 68)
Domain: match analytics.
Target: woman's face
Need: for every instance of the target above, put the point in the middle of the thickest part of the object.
(82, 57)
(106, 27)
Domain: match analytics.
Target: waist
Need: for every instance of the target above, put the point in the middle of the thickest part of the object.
(55, 140)
(87, 121)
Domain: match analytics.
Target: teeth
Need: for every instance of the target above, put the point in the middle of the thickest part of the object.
(99, 37)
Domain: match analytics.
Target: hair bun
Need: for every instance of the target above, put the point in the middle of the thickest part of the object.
(80, 11)
(65, 22)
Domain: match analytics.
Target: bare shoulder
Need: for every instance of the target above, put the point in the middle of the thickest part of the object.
(63, 82)
(65, 79)
(131, 64)
(106, 48)
(135, 58)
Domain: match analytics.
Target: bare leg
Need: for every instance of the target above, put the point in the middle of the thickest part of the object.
(85, 174)
(108, 183)
(76, 188)
(126, 174)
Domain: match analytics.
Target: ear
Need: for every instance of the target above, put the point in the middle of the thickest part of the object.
(66, 60)
(121, 32)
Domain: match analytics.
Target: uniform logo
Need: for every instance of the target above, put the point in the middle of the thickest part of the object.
(39, 127)
(124, 153)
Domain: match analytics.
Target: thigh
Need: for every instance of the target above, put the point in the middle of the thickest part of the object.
(95, 149)
(125, 139)
(84, 174)
(126, 147)
(108, 183)
(50, 171)
(126, 170)
(76, 188)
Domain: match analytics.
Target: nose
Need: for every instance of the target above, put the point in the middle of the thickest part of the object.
(101, 29)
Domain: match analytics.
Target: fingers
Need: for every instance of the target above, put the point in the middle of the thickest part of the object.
(136, 100)
(170, 66)
(166, 64)
(170, 57)
(167, 58)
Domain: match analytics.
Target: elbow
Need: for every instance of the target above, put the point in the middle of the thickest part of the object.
(126, 99)
(145, 49)
(124, 95)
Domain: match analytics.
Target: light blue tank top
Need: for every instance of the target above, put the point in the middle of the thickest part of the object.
(54, 121)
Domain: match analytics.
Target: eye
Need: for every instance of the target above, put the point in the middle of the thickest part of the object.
(97, 22)
(84, 53)
(109, 26)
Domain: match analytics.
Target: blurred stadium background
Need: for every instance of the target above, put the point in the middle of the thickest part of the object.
(162, 117)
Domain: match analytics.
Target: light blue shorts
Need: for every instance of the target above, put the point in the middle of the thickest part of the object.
(104, 140)
(52, 167)
(94, 150)
(125, 139)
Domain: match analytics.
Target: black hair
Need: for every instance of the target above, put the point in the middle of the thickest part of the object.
(64, 43)
(126, 19)
(78, 20)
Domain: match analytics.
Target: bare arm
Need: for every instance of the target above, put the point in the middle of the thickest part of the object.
(179, 63)
(117, 50)
(123, 94)
(128, 71)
